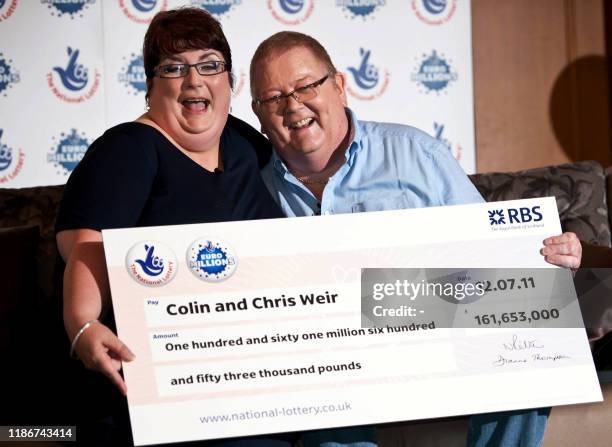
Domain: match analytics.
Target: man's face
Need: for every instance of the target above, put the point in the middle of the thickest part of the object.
(299, 130)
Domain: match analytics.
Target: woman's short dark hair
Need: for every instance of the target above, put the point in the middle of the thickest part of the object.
(183, 29)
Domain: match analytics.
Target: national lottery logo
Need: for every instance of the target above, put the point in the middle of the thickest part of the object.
(366, 82)
(67, 151)
(132, 76)
(434, 12)
(142, 11)
(360, 8)
(72, 82)
(151, 263)
(217, 8)
(8, 75)
(11, 162)
(211, 260)
(70, 8)
(291, 12)
(7, 8)
(434, 73)
(455, 149)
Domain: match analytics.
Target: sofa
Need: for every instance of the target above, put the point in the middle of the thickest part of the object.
(43, 386)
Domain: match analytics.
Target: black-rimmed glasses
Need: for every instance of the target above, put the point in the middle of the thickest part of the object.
(206, 68)
(300, 94)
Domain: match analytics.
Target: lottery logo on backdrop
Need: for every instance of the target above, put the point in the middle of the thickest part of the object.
(7, 8)
(211, 260)
(291, 12)
(133, 75)
(8, 75)
(67, 151)
(71, 8)
(360, 8)
(151, 263)
(72, 82)
(142, 11)
(455, 149)
(434, 12)
(216, 7)
(11, 162)
(434, 73)
(239, 81)
(365, 81)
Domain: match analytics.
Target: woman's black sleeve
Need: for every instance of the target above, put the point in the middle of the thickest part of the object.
(111, 185)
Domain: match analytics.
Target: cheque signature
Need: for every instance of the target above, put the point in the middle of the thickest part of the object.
(521, 344)
(524, 346)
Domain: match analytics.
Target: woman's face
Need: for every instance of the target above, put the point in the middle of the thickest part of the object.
(192, 109)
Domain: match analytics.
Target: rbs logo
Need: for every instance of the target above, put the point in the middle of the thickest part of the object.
(515, 215)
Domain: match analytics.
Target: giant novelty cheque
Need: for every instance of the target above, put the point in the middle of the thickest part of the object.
(253, 327)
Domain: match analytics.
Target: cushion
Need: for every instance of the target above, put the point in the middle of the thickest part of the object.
(579, 188)
(609, 193)
(35, 206)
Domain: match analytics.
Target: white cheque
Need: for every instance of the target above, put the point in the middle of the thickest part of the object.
(254, 327)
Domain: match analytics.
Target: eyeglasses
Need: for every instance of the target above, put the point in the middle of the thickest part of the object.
(300, 94)
(207, 68)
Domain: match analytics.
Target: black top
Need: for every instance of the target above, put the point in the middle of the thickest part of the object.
(133, 176)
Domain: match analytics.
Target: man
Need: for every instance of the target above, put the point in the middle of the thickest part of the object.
(326, 161)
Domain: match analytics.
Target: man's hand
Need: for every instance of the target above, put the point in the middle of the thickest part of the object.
(564, 250)
(100, 350)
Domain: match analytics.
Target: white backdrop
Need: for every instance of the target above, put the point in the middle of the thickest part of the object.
(69, 69)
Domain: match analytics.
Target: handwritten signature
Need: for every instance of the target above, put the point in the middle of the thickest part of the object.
(503, 361)
(517, 344)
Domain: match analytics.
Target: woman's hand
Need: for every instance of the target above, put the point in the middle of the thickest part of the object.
(100, 350)
(564, 250)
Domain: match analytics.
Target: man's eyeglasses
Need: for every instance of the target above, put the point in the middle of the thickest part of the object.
(206, 68)
(300, 94)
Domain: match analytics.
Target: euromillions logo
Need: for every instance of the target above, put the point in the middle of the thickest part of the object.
(434, 73)
(8, 75)
(211, 260)
(133, 75)
(151, 263)
(7, 8)
(71, 8)
(11, 163)
(216, 7)
(142, 11)
(367, 83)
(360, 8)
(456, 149)
(291, 12)
(72, 82)
(68, 151)
(434, 12)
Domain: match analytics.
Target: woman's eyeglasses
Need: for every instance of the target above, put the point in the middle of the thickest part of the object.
(206, 68)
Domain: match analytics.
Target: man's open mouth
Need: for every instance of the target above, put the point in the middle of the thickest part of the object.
(301, 123)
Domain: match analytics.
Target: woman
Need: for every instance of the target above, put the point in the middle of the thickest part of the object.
(184, 161)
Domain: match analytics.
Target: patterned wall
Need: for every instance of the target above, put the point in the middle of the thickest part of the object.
(69, 69)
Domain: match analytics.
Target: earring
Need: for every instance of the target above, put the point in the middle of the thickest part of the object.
(147, 106)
